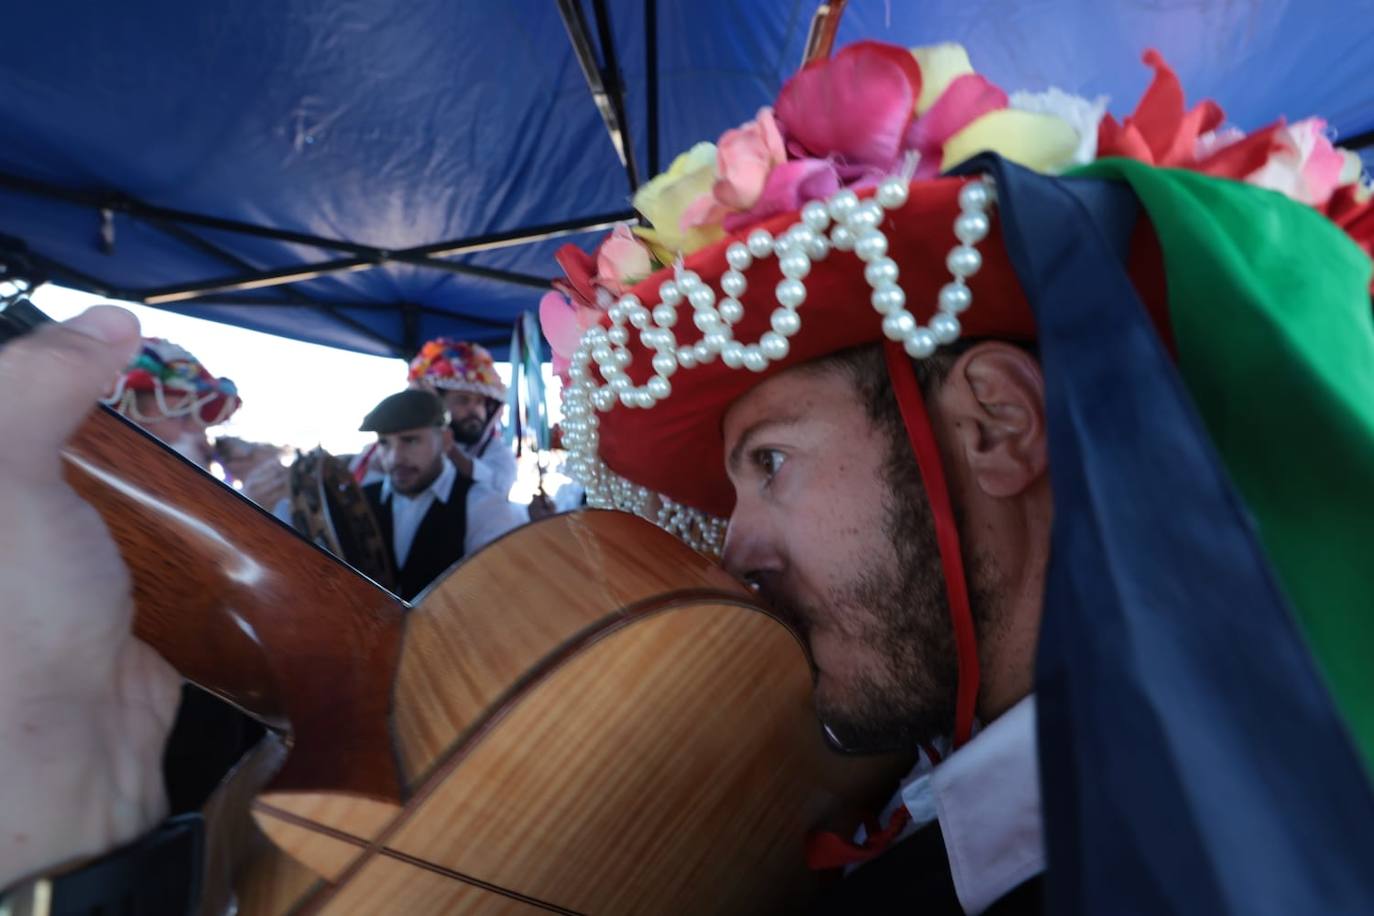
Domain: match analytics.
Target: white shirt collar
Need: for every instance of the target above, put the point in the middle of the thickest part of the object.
(986, 796)
(441, 487)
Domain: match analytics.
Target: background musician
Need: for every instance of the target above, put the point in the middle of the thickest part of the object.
(430, 515)
(464, 376)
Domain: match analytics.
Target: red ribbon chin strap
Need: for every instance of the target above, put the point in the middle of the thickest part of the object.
(922, 438)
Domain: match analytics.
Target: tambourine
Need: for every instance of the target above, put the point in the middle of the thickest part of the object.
(329, 507)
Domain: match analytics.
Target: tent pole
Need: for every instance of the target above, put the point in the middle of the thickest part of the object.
(615, 89)
(466, 245)
(651, 81)
(604, 84)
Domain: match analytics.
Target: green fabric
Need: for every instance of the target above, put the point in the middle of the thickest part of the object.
(1270, 309)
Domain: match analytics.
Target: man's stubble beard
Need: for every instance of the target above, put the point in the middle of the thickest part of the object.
(908, 697)
(424, 480)
(468, 432)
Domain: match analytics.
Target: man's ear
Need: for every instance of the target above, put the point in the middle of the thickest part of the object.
(994, 401)
(446, 436)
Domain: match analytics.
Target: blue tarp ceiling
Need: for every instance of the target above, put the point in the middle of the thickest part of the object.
(131, 131)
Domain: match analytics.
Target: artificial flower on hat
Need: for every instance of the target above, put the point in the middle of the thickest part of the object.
(181, 385)
(1199, 298)
(580, 298)
(456, 365)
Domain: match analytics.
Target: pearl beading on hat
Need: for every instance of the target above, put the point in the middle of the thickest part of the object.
(843, 223)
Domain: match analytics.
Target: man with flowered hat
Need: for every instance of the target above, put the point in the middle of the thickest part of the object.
(1061, 463)
(1066, 481)
(464, 376)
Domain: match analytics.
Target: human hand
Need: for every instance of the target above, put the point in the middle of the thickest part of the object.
(541, 506)
(84, 707)
(461, 462)
(268, 484)
(239, 458)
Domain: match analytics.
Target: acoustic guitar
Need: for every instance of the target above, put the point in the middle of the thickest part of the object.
(584, 717)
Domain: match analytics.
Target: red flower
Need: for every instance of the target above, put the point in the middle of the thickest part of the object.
(1160, 131)
(579, 275)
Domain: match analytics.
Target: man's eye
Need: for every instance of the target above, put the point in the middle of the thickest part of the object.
(769, 461)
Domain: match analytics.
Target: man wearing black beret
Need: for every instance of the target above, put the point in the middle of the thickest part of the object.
(430, 515)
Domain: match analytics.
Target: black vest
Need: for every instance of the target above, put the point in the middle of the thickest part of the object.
(913, 877)
(438, 542)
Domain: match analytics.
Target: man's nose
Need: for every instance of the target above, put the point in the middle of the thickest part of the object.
(751, 551)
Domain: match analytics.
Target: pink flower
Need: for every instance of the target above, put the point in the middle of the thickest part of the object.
(854, 107)
(622, 261)
(744, 157)
(589, 284)
(564, 323)
(1306, 167)
(789, 185)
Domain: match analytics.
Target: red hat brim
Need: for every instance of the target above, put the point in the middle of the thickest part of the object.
(676, 447)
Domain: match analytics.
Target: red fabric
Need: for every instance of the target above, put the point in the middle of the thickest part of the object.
(677, 448)
(826, 850)
(1244, 157)
(579, 269)
(1353, 210)
(927, 451)
(360, 470)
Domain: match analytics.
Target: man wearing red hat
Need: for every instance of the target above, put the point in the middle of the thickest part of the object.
(1064, 479)
(877, 362)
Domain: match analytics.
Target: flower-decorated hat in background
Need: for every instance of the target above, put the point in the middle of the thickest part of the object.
(456, 365)
(179, 383)
(1198, 297)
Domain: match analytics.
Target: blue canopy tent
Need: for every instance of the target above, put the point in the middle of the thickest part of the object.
(369, 175)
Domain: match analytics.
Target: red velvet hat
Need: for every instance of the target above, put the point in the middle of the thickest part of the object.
(824, 224)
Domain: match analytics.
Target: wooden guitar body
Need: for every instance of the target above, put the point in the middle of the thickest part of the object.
(584, 717)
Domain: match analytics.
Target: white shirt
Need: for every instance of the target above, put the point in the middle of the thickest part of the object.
(495, 467)
(986, 796)
(489, 514)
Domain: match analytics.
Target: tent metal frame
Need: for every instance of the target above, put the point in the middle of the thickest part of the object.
(607, 88)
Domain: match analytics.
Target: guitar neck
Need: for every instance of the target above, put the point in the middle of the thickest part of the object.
(240, 604)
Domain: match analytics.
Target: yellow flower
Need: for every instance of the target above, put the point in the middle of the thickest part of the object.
(663, 200)
(1037, 141)
(940, 65)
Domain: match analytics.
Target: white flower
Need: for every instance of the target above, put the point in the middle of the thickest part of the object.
(1081, 114)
